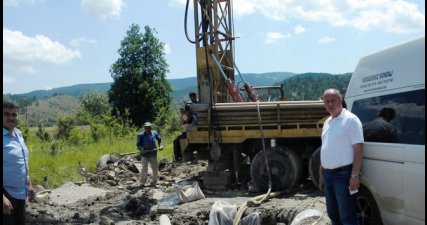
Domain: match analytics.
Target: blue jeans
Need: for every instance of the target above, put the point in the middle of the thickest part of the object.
(341, 206)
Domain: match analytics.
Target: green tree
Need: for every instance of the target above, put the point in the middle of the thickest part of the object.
(140, 86)
(95, 103)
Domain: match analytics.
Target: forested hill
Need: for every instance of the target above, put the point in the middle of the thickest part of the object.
(45, 108)
(310, 86)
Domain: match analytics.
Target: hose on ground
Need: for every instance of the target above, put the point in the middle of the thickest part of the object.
(254, 201)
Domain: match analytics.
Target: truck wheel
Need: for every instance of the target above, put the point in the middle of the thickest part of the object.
(285, 169)
(367, 209)
(313, 167)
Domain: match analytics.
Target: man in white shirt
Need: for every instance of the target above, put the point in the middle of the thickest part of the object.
(341, 159)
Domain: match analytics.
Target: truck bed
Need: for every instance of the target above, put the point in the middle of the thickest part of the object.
(239, 121)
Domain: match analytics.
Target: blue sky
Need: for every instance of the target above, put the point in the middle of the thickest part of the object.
(51, 43)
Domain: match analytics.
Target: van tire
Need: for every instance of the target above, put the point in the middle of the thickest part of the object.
(367, 209)
(285, 169)
(313, 167)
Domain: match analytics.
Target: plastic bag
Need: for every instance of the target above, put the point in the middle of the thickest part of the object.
(304, 215)
(222, 213)
(251, 219)
(189, 193)
(170, 199)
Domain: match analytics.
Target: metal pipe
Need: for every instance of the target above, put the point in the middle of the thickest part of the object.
(266, 105)
(219, 67)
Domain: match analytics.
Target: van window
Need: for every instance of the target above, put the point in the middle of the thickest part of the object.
(405, 111)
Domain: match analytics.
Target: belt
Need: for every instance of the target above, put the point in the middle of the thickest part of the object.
(338, 169)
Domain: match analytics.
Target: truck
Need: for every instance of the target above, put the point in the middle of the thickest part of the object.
(244, 137)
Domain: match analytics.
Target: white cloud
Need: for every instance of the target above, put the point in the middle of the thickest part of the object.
(47, 88)
(21, 53)
(325, 40)
(275, 37)
(103, 9)
(299, 29)
(8, 80)
(390, 15)
(168, 49)
(78, 41)
(399, 17)
(242, 7)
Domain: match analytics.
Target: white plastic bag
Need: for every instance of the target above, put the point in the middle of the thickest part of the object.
(222, 213)
(251, 219)
(189, 193)
(301, 216)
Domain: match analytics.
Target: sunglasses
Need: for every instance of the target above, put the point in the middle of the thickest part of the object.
(10, 114)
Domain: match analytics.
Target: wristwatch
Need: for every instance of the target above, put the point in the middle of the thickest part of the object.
(355, 176)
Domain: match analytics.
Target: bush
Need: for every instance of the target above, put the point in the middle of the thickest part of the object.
(65, 125)
(117, 127)
(42, 134)
(97, 131)
(168, 120)
(78, 137)
(56, 147)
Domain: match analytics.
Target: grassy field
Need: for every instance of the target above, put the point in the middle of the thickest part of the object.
(61, 165)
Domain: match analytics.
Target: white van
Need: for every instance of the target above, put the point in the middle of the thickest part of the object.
(393, 172)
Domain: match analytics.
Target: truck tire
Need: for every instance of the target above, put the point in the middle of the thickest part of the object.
(285, 168)
(313, 167)
(367, 209)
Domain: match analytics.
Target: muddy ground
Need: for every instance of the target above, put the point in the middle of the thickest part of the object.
(114, 196)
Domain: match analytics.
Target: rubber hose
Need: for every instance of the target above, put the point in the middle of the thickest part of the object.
(255, 200)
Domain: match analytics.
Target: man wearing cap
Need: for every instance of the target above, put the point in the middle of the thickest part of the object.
(146, 145)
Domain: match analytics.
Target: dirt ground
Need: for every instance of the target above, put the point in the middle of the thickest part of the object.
(114, 196)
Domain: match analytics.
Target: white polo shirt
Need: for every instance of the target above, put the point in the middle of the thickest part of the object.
(338, 137)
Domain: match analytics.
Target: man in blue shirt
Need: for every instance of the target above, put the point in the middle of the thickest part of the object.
(146, 144)
(16, 182)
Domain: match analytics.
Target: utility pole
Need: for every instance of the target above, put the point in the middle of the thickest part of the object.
(26, 111)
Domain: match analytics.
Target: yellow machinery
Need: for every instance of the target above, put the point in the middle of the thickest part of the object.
(232, 134)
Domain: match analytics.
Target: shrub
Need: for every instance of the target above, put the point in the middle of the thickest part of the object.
(42, 134)
(97, 131)
(78, 137)
(65, 125)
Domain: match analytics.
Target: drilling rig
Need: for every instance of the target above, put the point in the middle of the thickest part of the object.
(272, 144)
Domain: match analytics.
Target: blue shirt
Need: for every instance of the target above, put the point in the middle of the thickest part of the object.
(15, 164)
(148, 142)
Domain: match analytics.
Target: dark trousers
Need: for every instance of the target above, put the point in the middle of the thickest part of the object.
(340, 205)
(177, 147)
(18, 212)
